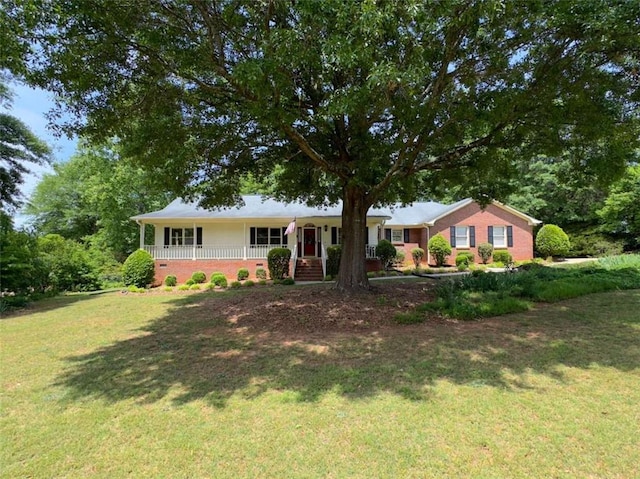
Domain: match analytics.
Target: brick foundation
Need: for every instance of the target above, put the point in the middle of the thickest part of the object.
(182, 269)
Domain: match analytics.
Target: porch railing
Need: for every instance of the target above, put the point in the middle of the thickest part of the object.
(226, 252)
(210, 251)
(370, 251)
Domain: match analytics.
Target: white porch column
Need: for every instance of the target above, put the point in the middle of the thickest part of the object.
(141, 224)
(244, 246)
(195, 240)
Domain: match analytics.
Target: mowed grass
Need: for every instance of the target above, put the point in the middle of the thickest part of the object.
(116, 385)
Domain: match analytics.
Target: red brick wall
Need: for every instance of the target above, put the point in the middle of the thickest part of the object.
(472, 215)
(184, 268)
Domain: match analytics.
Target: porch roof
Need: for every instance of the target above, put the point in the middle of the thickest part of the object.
(255, 206)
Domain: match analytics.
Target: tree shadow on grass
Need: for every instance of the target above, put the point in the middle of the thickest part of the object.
(51, 303)
(202, 352)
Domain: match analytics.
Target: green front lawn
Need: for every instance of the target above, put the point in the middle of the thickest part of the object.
(114, 385)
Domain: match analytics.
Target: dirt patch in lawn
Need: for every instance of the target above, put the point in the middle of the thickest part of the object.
(318, 307)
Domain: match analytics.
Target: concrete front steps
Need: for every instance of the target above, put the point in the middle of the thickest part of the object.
(308, 269)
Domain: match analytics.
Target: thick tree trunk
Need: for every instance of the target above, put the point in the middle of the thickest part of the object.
(352, 275)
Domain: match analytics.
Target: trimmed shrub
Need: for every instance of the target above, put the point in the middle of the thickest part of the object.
(199, 277)
(209, 286)
(386, 252)
(417, 254)
(243, 273)
(170, 280)
(248, 283)
(288, 281)
(398, 261)
(219, 279)
(189, 282)
(194, 286)
(138, 269)
(261, 273)
(262, 282)
(167, 289)
(485, 251)
(551, 240)
(235, 284)
(183, 287)
(334, 254)
(502, 256)
(278, 262)
(464, 257)
(439, 248)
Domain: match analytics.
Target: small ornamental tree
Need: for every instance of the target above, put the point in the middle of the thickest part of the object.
(417, 254)
(551, 240)
(439, 248)
(138, 269)
(485, 251)
(278, 262)
(386, 252)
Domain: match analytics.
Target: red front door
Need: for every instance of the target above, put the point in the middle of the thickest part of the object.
(309, 240)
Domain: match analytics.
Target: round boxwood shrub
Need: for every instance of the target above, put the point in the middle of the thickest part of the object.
(219, 279)
(502, 256)
(439, 248)
(334, 253)
(199, 277)
(261, 273)
(386, 252)
(417, 254)
(465, 258)
(189, 282)
(278, 262)
(138, 269)
(243, 273)
(170, 280)
(485, 251)
(551, 240)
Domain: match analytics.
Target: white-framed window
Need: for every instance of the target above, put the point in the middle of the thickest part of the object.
(500, 236)
(266, 236)
(339, 236)
(462, 236)
(397, 236)
(182, 237)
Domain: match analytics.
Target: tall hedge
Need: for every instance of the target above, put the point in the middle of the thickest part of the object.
(138, 269)
(278, 262)
(551, 240)
(386, 252)
(334, 253)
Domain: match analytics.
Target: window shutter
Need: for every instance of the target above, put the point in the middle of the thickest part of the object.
(284, 237)
(334, 235)
(252, 234)
(406, 235)
(472, 236)
(490, 234)
(199, 236)
(366, 232)
(509, 236)
(387, 234)
(167, 236)
(452, 233)
(318, 242)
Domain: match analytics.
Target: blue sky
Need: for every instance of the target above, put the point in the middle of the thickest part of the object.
(31, 105)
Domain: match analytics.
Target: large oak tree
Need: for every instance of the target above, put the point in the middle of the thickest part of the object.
(368, 102)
